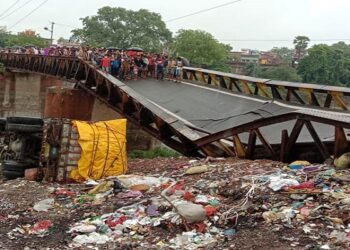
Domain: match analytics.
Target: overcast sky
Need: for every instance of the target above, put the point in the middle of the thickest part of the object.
(253, 20)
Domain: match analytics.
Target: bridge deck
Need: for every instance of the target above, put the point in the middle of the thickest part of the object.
(214, 110)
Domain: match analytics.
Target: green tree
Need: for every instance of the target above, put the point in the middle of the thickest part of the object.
(282, 73)
(119, 27)
(325, 65)
(252, 69)
(300, 43)
(25, 38)
(345, 48)
(202, 49)
(61, 40)
(3, 39)
(285, 53)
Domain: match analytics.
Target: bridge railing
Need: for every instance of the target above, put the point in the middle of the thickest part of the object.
(183, 136)
(333, 97)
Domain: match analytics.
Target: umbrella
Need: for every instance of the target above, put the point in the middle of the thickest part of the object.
(113, 48)
(135, 49)
(16, 47)
(185, 61)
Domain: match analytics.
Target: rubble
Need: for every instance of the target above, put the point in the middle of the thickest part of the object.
(232, 204)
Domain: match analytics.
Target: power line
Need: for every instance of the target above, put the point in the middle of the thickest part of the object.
(201, 11)
(20, 20)
(15, 10)
(281, 40)
(4, 12)
(66, 25)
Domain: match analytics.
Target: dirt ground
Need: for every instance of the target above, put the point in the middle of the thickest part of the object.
(251, 229)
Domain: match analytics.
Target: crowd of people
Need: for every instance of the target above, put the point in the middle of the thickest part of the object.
(123, 64)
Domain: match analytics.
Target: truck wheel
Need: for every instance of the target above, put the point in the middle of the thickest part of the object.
(23, 127)
(10, 175)
(25, 120)
(15, 166)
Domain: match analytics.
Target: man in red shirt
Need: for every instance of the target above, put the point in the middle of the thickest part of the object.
(106, 64)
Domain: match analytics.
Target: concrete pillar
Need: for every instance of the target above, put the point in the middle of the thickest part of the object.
(62, 102)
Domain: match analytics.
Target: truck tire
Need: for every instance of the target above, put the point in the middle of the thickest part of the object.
(25, 120)
(23, 127)
(15, 166)
(2, 121)
(10, 175)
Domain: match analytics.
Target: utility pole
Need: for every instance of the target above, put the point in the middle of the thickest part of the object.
(51, 30)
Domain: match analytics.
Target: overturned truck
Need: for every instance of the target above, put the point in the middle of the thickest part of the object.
(52, 148)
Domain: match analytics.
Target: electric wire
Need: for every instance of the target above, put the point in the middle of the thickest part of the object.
(202, 11)
(282, 40)
(11, 6)
(36, 8)
(15, 10)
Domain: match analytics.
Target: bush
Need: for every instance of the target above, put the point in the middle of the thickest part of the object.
(156, 152)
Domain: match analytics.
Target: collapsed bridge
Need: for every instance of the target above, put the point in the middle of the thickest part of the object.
(213, 113)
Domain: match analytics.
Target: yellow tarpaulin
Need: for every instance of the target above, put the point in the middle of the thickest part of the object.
(103, 146)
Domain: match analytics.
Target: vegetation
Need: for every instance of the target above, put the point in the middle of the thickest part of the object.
(21, 39)
(301, 43)
(286, 54)
(156, 152)
(119, 27)
(283, 72)
(326, 65)
(201, 49)
(322, 64)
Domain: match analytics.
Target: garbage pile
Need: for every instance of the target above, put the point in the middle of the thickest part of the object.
(174, 207)
(187, 204)
(312, 199)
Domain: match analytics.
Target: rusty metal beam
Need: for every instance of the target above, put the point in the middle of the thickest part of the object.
(239, 147)
(294, 136)
(266, 144)
(284, 141)
(341, 144)
(321, 147)
(251, 144)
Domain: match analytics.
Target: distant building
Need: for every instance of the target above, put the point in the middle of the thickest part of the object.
(241, 58)
(270, 58)
(67, 43)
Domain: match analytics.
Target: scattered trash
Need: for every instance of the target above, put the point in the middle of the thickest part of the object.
(191, 212)
(197, 170)
(31, 174)
(343, 162)
(92, 238)
(44, 205)
(102, 187)
(305, 205)
(278, 182)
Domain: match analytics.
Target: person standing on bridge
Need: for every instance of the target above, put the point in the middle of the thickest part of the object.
(106, 64)
(160, 67)
(178, 70)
